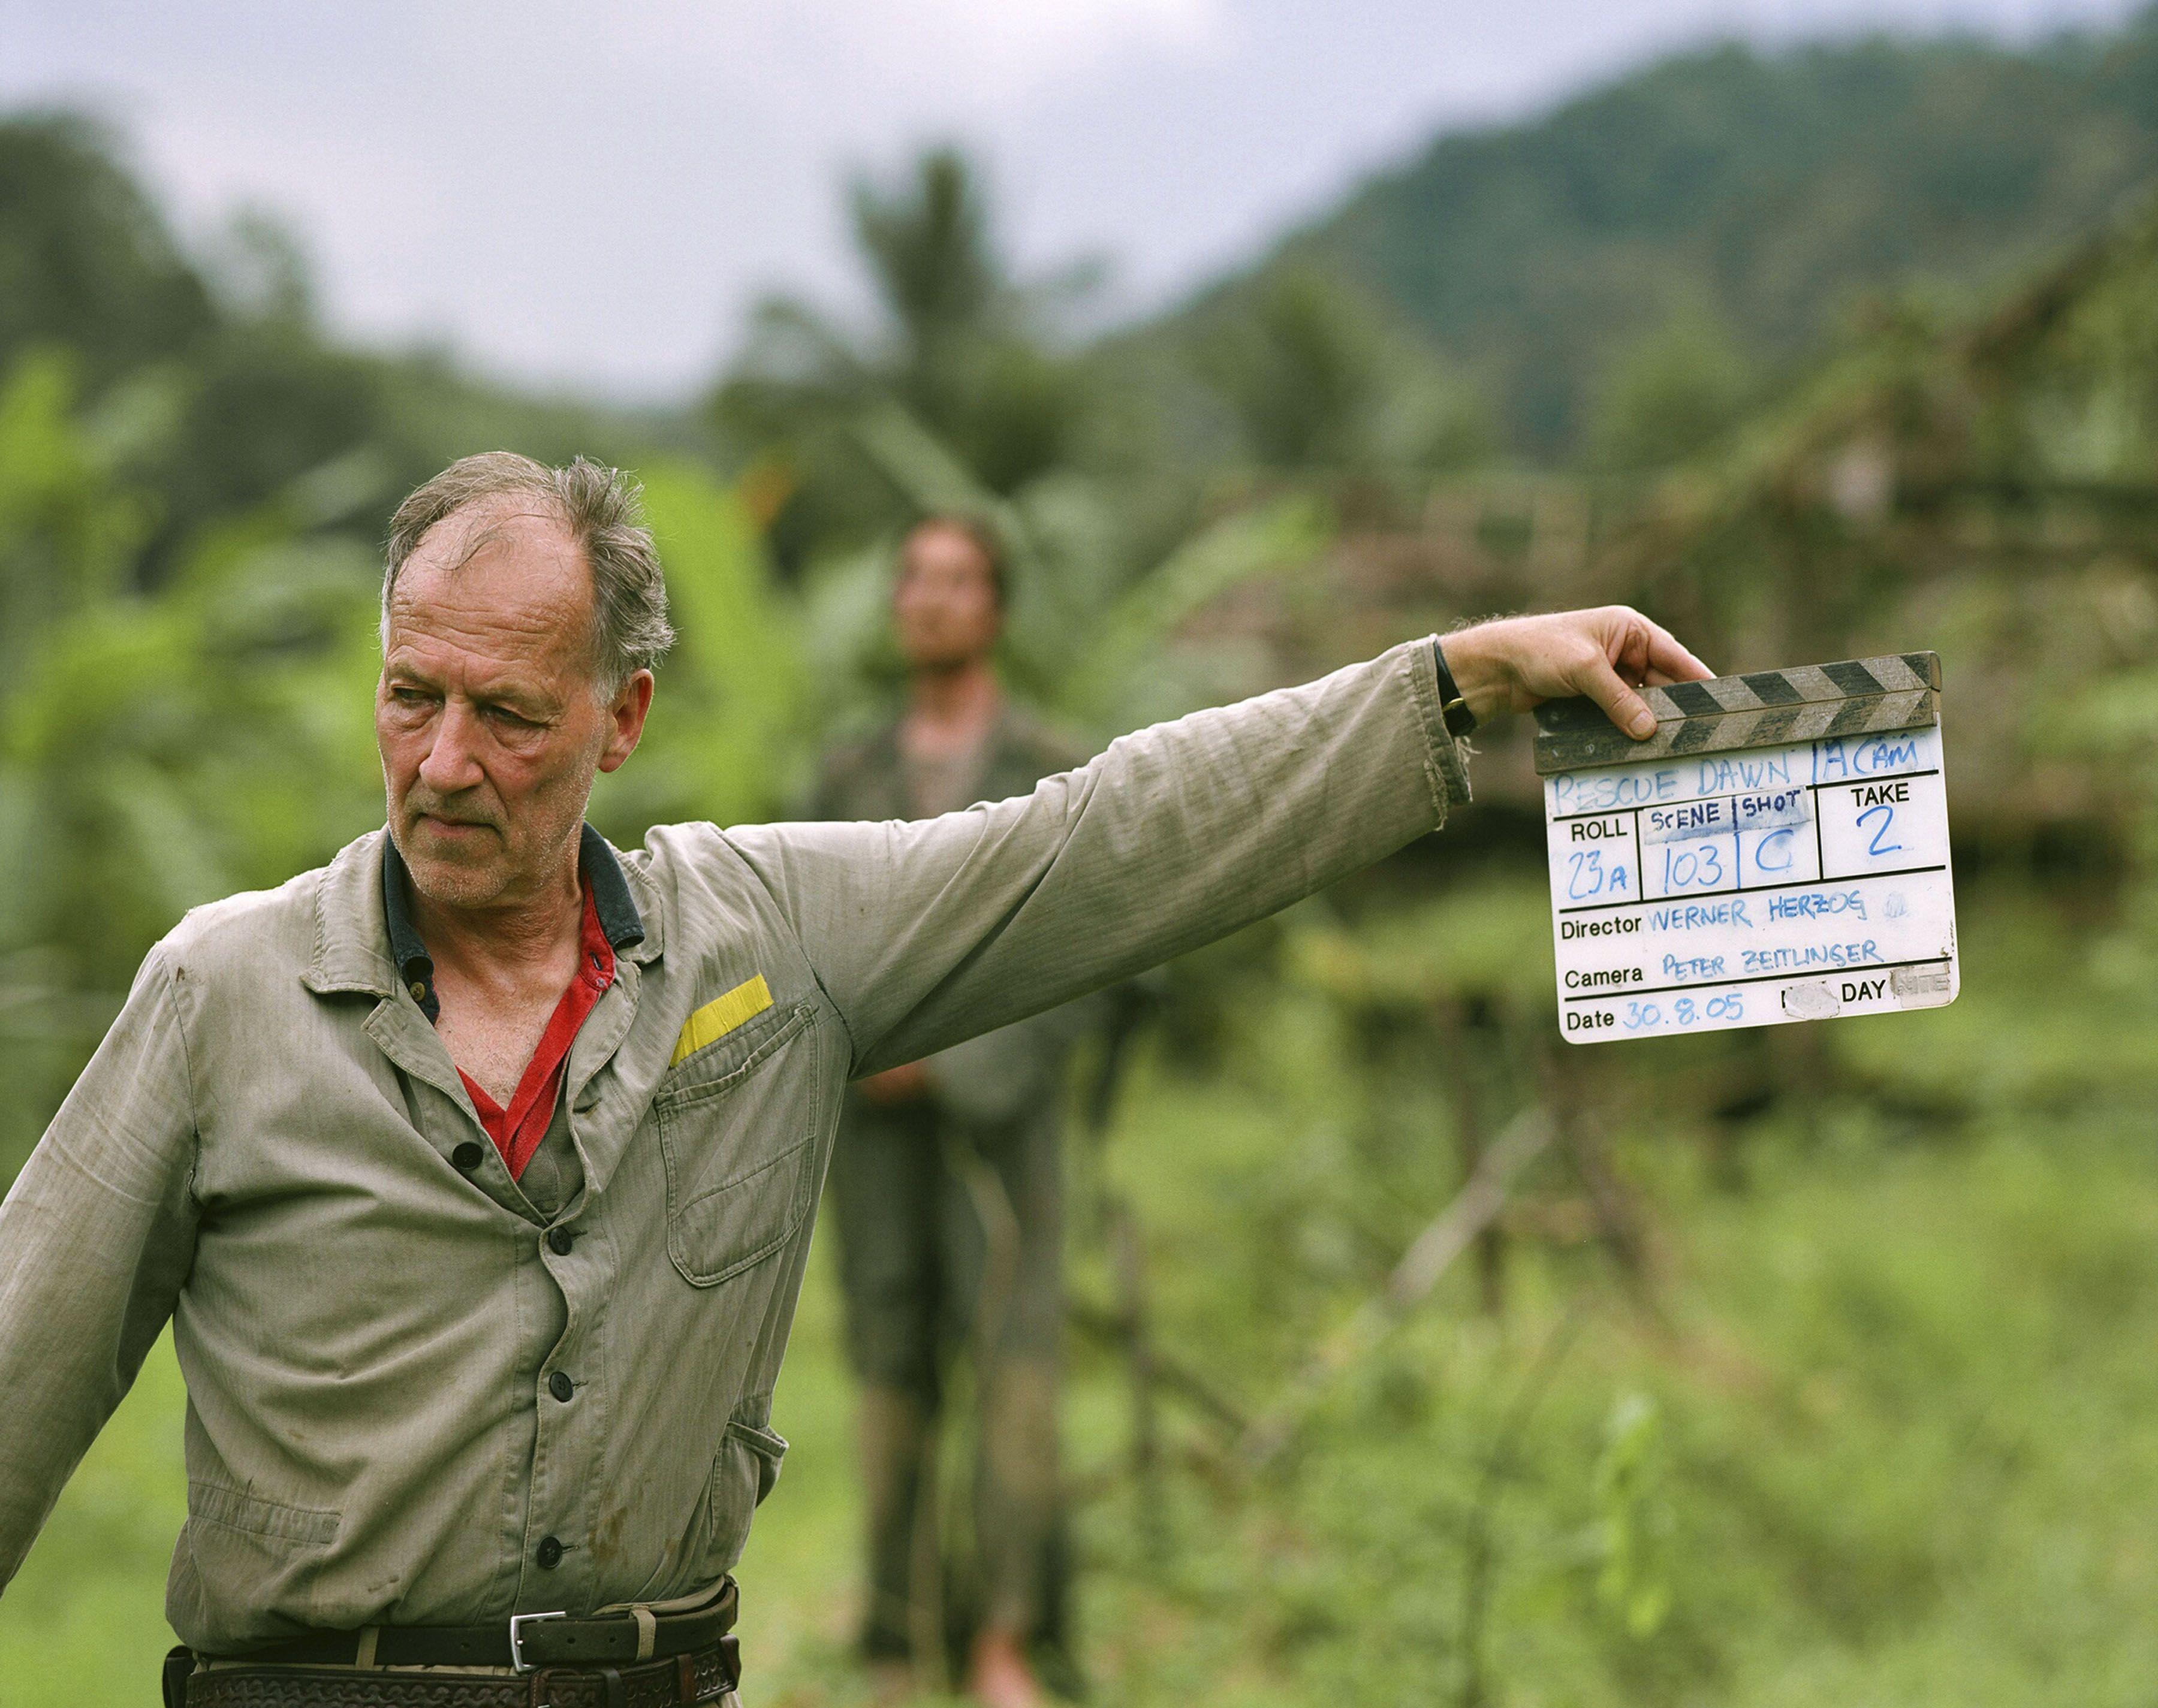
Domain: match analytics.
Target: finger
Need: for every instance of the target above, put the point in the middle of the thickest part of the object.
(1668, 661)
(1626, 646)
(1626, 708)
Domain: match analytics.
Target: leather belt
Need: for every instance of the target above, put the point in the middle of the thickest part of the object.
(708, 1675)
(526, 1642)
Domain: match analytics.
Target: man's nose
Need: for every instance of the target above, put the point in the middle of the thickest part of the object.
(451, 762)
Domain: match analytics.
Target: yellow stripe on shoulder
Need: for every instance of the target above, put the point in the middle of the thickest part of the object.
(721, 1015)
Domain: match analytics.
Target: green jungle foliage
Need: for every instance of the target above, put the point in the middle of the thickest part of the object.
(1804, 1365)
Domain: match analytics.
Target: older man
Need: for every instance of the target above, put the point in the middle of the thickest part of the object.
(475, 1169)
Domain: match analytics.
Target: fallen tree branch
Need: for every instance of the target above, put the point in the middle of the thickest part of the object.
(1444, 1238)
(1175, 1377)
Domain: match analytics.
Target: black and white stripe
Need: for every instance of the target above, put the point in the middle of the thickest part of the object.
(1768, 709)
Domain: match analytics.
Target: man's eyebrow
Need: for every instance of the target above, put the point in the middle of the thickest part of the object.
(397, 665)
(526, 697)
(516, 696)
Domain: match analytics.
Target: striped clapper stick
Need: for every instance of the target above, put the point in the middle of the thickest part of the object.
(1777, 851)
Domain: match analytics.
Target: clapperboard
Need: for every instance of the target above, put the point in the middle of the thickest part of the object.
(1777, 850)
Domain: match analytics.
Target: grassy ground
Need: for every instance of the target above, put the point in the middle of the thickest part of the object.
(1881, 1433)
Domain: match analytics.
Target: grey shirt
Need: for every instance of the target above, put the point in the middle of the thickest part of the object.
(260, 1152)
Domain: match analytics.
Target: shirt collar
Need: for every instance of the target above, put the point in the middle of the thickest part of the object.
(620, 918)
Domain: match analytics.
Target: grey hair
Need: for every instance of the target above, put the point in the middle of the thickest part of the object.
(603, 510)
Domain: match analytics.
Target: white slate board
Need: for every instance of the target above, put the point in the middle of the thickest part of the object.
(1719, 883)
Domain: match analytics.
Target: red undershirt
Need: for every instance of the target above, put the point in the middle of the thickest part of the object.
(518, 1130)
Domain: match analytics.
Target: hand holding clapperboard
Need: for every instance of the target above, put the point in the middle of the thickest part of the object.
(1777, 850)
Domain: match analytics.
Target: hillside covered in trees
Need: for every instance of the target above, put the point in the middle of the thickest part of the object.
(1724, 212)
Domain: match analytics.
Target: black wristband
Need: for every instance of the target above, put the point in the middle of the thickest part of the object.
(1452, 707)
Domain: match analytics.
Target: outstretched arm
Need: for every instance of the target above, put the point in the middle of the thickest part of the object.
(927, 933)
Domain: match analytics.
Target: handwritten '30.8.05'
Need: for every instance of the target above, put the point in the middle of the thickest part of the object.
(1640, 1016)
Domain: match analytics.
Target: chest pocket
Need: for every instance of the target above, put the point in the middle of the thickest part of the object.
(738, 1130)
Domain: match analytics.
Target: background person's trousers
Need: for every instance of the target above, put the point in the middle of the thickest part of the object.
(951, 1240)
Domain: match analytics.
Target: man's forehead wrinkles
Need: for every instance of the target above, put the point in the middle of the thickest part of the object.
(476, 669)
(480, 642)
(486, 650)
(509, 587)
(467, 620)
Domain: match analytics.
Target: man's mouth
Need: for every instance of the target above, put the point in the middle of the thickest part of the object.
(450, 827)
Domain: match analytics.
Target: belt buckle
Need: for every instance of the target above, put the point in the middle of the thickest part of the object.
(516, 1623)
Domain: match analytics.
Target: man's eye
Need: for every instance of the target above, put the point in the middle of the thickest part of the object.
(409, 696)
(509, 720)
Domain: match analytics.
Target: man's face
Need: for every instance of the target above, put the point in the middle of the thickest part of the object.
(485, 714)
(944, 605)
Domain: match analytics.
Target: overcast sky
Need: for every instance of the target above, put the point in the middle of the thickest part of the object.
(593, 195)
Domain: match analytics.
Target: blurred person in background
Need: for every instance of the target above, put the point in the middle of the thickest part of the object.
(946, 1186)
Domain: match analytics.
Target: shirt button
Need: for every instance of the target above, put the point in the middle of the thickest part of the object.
(561, 1386)
(549, 1554)
(558, 1240)
(466, 1156)
(419, 991)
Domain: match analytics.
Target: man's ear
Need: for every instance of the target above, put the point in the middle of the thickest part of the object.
(626, 720)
